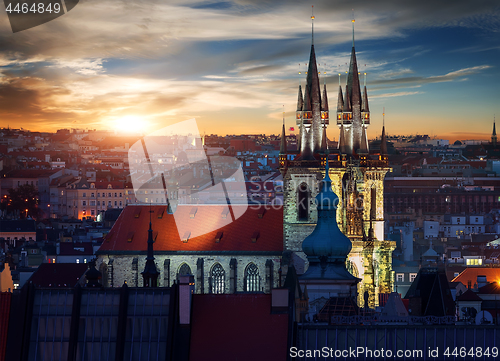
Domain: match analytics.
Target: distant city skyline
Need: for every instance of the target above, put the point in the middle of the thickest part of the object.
(233, 65)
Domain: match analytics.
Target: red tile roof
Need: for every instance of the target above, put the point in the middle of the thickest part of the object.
(58, 274)
(237, 327)
(236, 236)
(469, 295)
(4, 321)
(471, 273)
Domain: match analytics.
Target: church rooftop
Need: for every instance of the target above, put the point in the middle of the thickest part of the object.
(238, 235)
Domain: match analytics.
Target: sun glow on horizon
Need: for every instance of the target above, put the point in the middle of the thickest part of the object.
(131, 124)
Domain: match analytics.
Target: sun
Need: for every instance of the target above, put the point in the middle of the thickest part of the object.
(131, 124)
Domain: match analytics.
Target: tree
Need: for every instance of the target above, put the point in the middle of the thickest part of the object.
(22, 200)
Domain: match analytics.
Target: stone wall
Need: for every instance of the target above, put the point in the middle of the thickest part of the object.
(124, 269)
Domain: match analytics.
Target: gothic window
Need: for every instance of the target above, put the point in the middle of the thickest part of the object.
(184, 269)
(303, 202)
(218, 276)
(373, 201)
(252, 279)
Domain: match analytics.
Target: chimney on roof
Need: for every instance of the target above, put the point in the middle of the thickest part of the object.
(481, 281)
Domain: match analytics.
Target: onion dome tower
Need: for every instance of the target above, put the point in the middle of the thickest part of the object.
(327, 248)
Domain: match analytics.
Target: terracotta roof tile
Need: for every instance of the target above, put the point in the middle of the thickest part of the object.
(471, 273)
(250, 232)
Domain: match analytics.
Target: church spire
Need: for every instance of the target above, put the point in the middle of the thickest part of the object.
(310, 117)
(324, 100)
(342, 139)
(363, 149)
(150, 273)
(494, 134)
(283, 135)
(353, 110)
(383, 141)
(300, 100)
(340, 99)
(365, 108)
(353, 82)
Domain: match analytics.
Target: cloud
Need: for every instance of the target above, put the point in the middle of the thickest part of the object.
(451, 76)
(177, 58)
(391, 95)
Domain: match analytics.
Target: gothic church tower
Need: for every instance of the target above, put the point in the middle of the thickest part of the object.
(357, 177)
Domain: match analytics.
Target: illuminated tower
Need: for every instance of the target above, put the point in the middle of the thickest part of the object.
(356, 176)
(301, 176)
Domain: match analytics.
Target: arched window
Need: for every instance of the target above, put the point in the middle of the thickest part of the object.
(252, 279)
(218, 277)
(184, 269)
(303, 202)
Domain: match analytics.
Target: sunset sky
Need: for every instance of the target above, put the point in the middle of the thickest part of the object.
(138, 66)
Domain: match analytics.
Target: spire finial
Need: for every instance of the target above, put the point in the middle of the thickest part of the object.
(150, 211)
(312, 23)
(299, 74)
(364, 84)
(283, 147)
(353, 27)
(383, 118)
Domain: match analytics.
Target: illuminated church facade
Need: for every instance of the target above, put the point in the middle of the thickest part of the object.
(357, 178)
